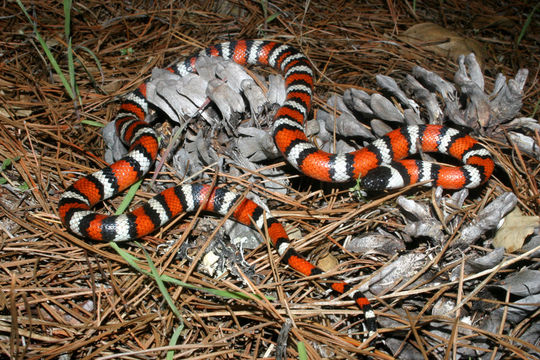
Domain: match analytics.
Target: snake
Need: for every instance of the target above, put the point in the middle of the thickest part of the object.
(381, 165)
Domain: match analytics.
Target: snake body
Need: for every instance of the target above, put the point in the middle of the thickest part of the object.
(379, 164)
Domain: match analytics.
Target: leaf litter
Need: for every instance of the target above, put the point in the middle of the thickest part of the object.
(417, 253)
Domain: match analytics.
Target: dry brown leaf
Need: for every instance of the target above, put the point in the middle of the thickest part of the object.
(515, 229)
(442, 41)
(327, 263)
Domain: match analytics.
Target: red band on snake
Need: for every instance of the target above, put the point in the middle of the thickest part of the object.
(379, 165)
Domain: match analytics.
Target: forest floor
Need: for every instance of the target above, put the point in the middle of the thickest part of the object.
(62, 297)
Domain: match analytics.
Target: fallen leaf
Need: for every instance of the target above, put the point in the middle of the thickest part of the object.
(442, 41)
(327, 263)
(515, 229)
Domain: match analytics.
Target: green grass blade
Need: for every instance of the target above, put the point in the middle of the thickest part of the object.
(271, 18)
(71, 71)
(302, 353)
(174, 340)
(88, 73)
(47, 51)
(67, 18)
(161, 285)
(527, 24)
(67, 33)
(133, 262)
(168, 299)
(6, 163)
(92, 123)
(128, 198)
